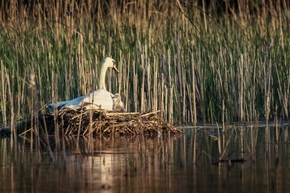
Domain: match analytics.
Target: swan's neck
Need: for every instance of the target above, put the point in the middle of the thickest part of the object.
(102, 77)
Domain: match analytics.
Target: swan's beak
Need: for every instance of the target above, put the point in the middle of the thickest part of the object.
(115, 68)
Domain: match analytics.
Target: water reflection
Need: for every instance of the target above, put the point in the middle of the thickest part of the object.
(162, 164)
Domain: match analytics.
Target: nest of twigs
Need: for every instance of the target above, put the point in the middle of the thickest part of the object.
(100, 123)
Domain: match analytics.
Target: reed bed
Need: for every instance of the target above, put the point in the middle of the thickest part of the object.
(191, 61)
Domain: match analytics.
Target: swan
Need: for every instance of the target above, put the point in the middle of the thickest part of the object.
(118, 105)
(99, 99)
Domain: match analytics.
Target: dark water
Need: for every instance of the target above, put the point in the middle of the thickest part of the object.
(254, 160)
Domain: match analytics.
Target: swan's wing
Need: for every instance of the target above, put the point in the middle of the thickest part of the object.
(72, 103)
(75, 103)
(100, 98)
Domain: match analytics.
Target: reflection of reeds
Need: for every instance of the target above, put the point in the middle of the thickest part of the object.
(131, 164)
(172, 57)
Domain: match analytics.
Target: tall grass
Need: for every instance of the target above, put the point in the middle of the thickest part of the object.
(183, 59)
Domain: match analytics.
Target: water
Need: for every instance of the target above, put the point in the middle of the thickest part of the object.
(255, 160)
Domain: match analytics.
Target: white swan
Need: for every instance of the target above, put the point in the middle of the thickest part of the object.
(99, 99)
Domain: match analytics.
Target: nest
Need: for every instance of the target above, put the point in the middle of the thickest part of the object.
(100, 123)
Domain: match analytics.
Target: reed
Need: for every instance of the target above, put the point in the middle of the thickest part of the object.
(185, 59)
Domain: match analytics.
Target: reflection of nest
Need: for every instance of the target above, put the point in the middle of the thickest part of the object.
(95, 122)
(110, 145)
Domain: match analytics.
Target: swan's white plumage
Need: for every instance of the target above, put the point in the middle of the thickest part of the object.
(99, 99)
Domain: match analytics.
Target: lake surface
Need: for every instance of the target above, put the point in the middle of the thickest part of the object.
(237, 159)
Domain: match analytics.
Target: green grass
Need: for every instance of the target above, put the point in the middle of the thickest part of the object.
(186, 64)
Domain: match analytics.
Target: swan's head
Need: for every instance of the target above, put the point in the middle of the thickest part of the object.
(110, 63)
